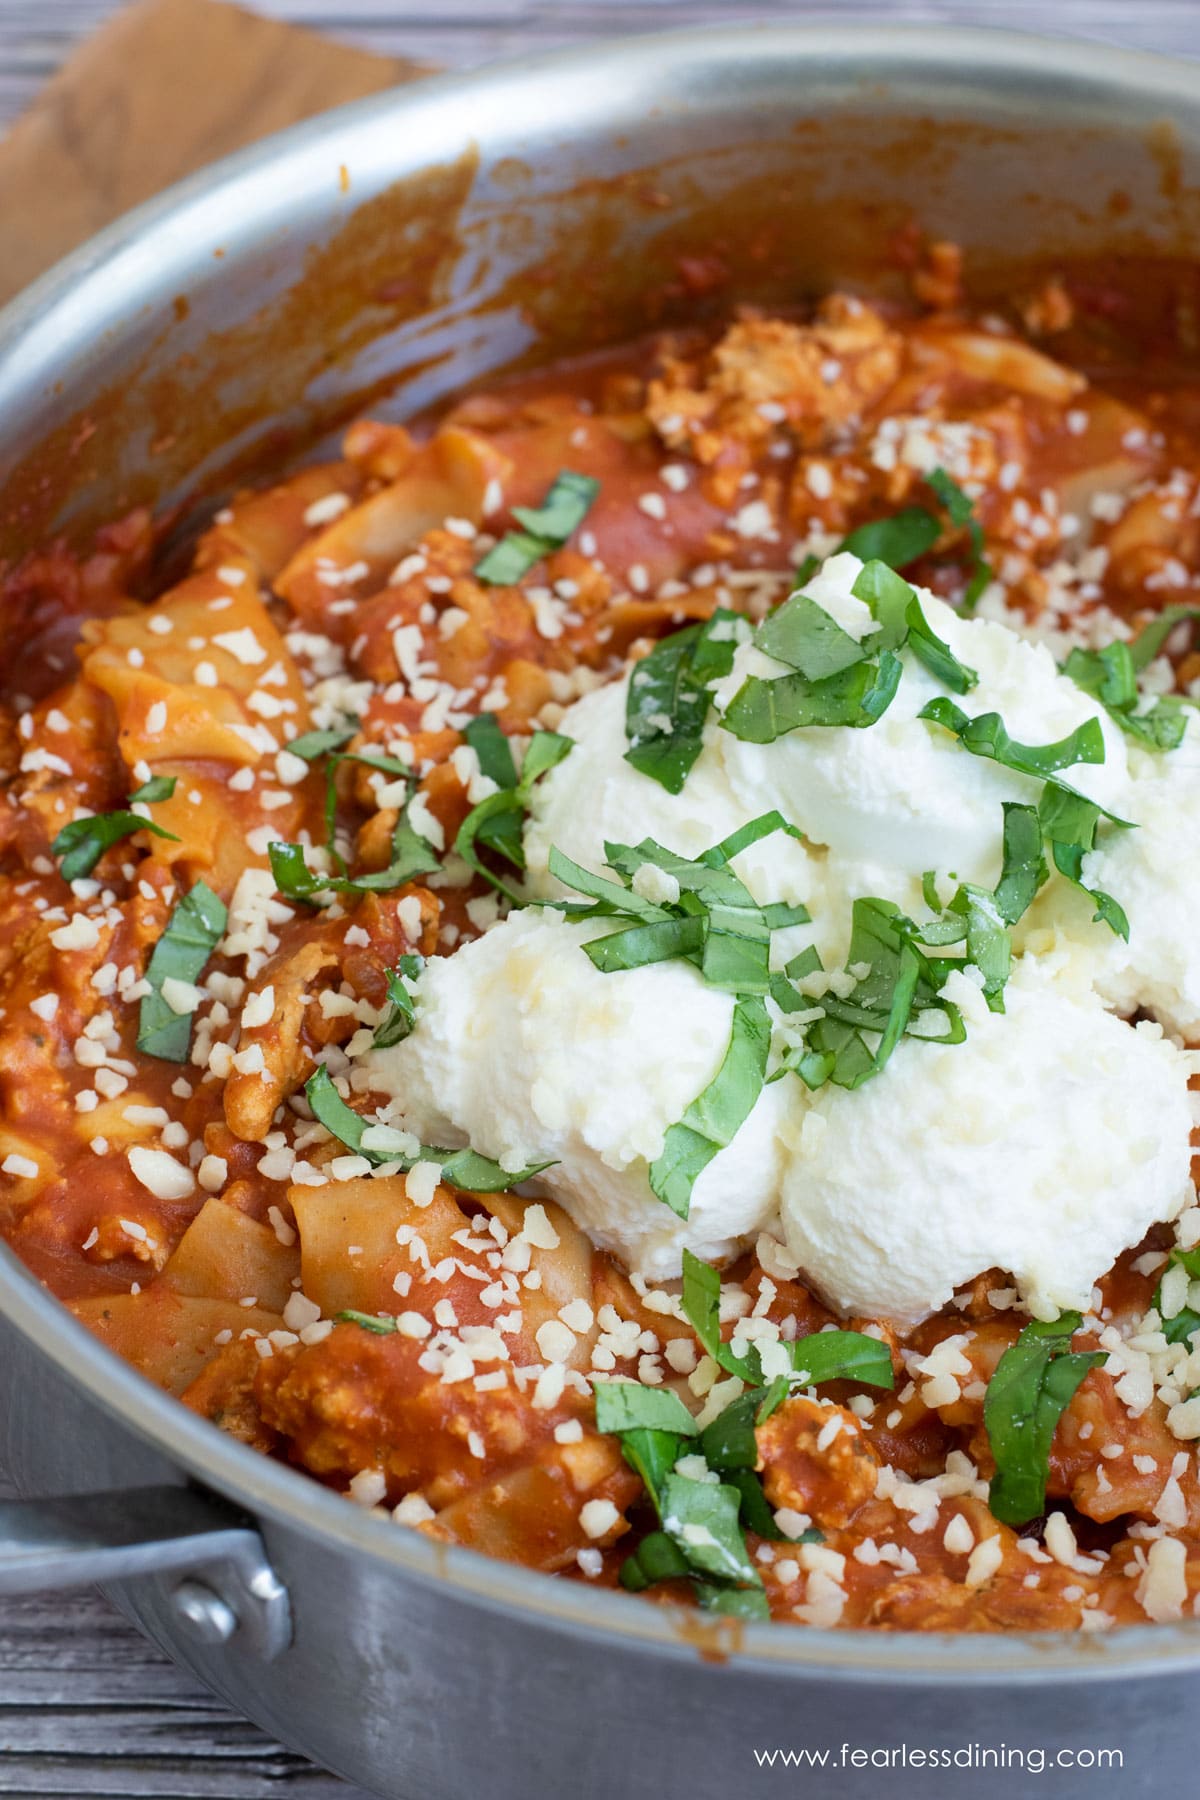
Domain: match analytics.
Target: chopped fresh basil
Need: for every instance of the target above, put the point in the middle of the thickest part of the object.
(462, 1168)
(1151, 639)
(727, 1442)
(657, 1558)
(898, 983)
(701, 1302)
(546, 528)
(736, 943)
(1032, 1386)
(492, 749)
(909, 534)
(83, 842)
(377, 1323)
(159, 787)
(640, 945)
(897, 541)
(717, 1113)
(628, 1406)
(889, 597)
(1069, 823)
(563, 510)
(495, 825)
(1109, 675)
(399, 1018)
(902, 621)
(986, 736)
(703, 1519)
(1180, 1326)
(766, 708)
(652, 1453)
(194, 930)
(312, 744)
(807, 638)
(669, 697)
(412, 855)
(732, 1602)
(841, 1356)
(961, 509)
(1024, 870)
(936, 655)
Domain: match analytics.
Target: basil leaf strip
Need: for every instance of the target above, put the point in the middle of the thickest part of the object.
(492, 749)
(1151, 639)
(657, 1558)
(496, 823)
(1069, 822)
(462, 1168)
(82, 843)
(702, 1518)
(628, 1406)
(766, 708)
(717, 1113)
(312, 744)
(194, 930)
(546, 528)
(1024, 868)
(668, 697)
(842, 1356)
(159, 787)
(1109, 675)
(701, 1300)
(412, 855)
(961, 509)
(398, 1021)
(1180, 1326)
(377, 1323)
(896, 541)
(732, 1602)
(986, 736)
(803, 635)
(1032, 1386)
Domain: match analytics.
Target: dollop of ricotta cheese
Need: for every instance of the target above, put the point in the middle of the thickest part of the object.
(1155, 872)
(524, 1050)
(903, 792)
(1044, 1146)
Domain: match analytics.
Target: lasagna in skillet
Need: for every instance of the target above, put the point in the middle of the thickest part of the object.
(612, 974)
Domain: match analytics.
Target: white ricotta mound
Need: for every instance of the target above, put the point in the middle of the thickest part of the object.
(528, 1053)
(1044, 1146)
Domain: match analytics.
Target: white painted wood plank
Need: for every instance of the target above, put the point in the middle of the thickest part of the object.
(34, 38)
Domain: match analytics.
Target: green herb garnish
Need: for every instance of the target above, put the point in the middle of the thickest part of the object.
(715, 1116)
(399, 1018)
(462, 1168)
(897, 541)
(629, 1406)
(668, 698)
(546, 528)
(1031, 1388)
(1180, 1326)
(961, 509)
(496, 824)
(83, 842)
(379, 1324)
(312, 744)
(194, 930)
(1110, 676)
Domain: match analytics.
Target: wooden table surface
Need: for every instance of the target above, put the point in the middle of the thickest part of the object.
(87, 1706)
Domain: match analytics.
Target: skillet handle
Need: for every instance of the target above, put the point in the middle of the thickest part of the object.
(226, 1588)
